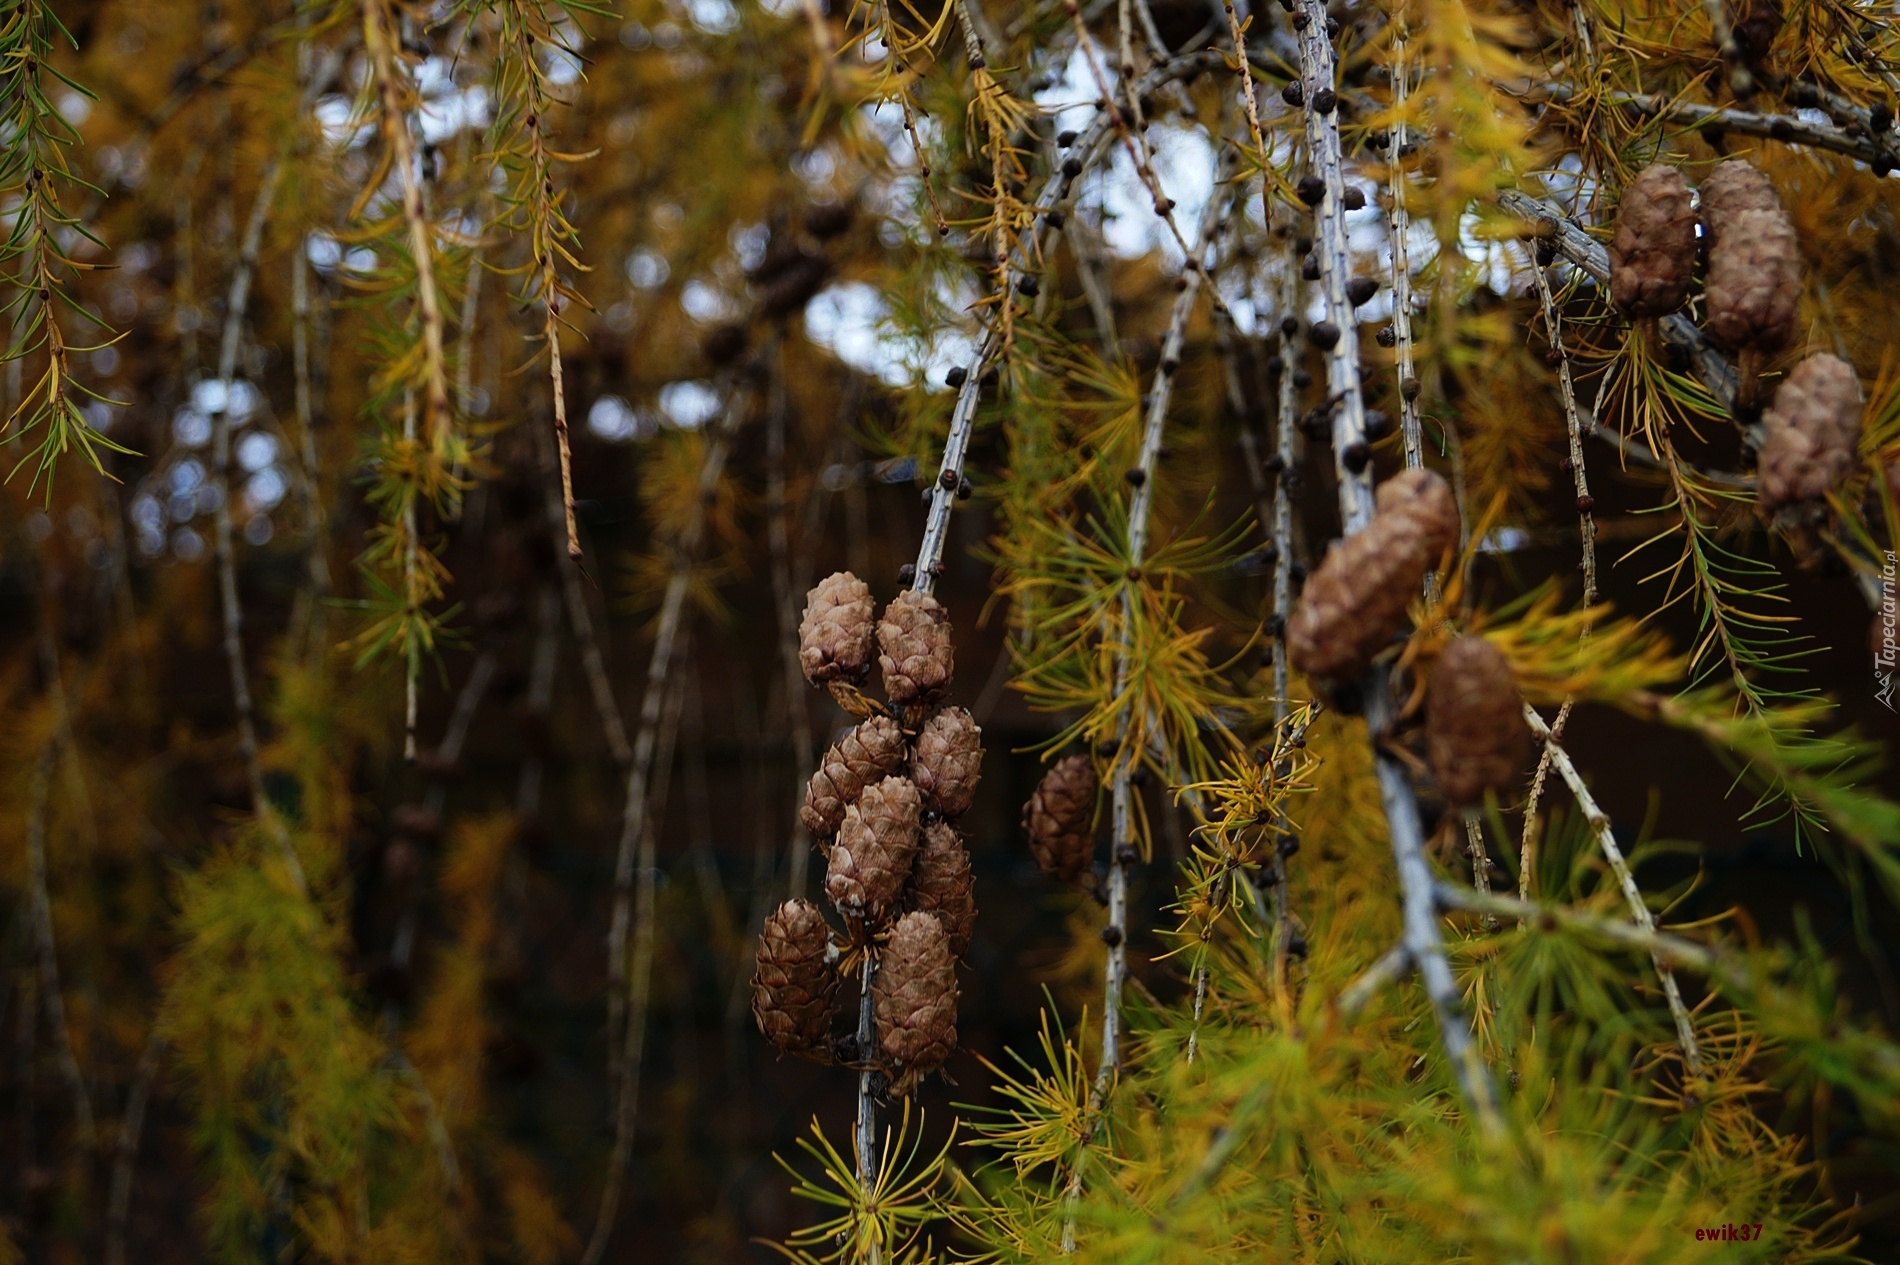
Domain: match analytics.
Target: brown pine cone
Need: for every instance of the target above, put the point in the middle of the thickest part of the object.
(834, 638)
(915, 999)
(940, 884)
(1652, 256)
(948, 761)
(1354, 602)
(1812, 439)
(795, 988)
(1733, 187)
(1753, 290)
(1475, 733)
(1059, 819)
(913, 642)
(876, 844)
(873, 750)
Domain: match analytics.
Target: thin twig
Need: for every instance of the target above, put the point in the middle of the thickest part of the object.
(1632, 896)
(1789, 129)
(125, 1157)
(785, 600)
(1392, 966)
(237, 302)
(593, 662)
(37, 813)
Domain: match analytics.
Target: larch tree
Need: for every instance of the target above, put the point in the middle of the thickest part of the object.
(1257, 632)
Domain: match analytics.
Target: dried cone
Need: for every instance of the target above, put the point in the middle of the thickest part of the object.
(834, 638)
(915, 999)
(940, 884)
(876, 844)
(1753, 286)
(795, 988)
(1812, 430)
(1475, 733)
(873, 750)
(1652, 256)
(948, 761)
(1733, 187)
(1354, 602)
(1059, 818)
(913, 642)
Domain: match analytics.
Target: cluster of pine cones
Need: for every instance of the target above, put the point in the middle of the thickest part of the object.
(1354, 605)
(1751, 291)
(883, 803)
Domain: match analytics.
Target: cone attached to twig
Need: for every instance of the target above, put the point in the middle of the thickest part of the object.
(1652, 256)
(1474, 722)
(1059, 818)
(835, 637)
(914, 651)
(915, 999)
(873, 750)
(940, 884)
(795, 985)
(1354, 602)
(948, 760)
(1812, 433)
(1752, 291)
(877, 842)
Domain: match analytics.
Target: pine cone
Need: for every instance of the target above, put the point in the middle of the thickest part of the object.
(876, 844)
(795, 988)
(1753, 290)
(913, 641)
(1059, 819)
(1652, 256)
(1474, 722)
(1733, 187)
(915, 999)
(834, 638)
(1812, 431)
(948, 761)
(1753, 287)
(940, 884)
(1354, 602)
(873, 750)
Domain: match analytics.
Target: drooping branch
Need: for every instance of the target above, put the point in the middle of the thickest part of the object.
(1337, 335)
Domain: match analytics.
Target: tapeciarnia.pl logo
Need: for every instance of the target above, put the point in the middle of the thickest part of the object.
(1885, 678)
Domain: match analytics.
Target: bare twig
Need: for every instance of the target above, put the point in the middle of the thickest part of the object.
(1789, 129)
(125, 1158)
(1392, 966)
(786, 604)
(593, 662)
(1632, 896)
(237, 303)
(38, 811)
